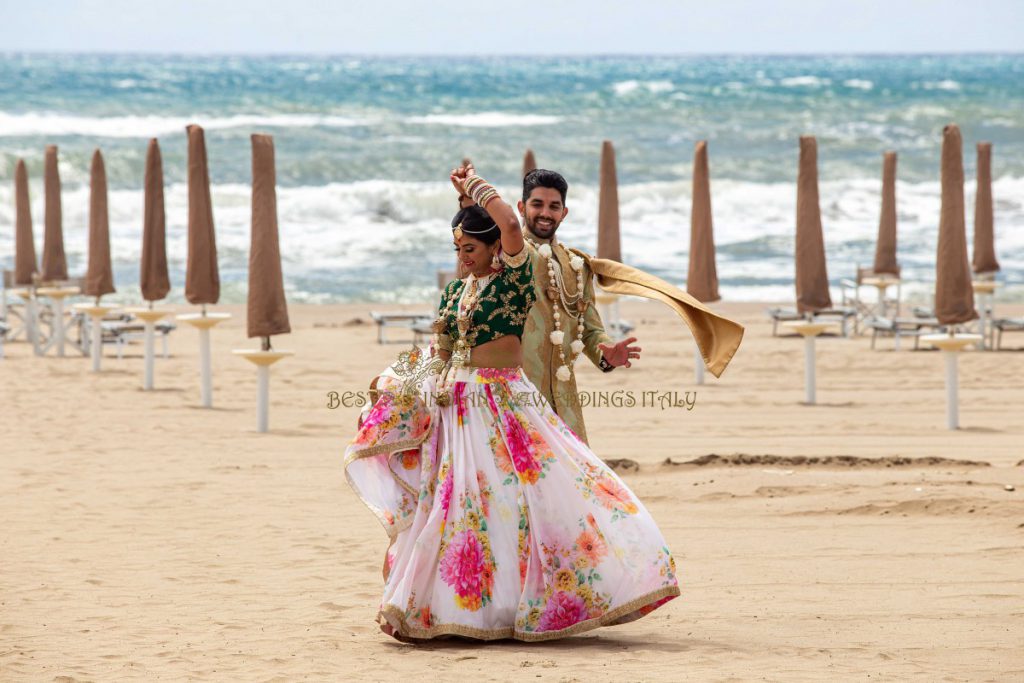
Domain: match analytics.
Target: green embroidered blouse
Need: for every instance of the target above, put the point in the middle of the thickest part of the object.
(503, 306)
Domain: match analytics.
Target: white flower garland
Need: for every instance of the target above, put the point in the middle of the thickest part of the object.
(557, 337)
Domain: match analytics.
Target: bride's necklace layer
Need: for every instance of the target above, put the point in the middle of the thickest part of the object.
(465, 306)
(573, 303)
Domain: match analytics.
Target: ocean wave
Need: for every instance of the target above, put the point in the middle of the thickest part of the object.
(487, 119)
(52, 123)
(805, 82)
(623, 88)
(337, 238)
(946, 84)
(858, 83)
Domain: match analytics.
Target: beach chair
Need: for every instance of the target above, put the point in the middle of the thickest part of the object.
(903, 327)
(73, 320)
(422, 332)
(779, 315)
(849, 293)
(842, 315)
(128, 329)
(923, 312)
(866, 310)
(12, 308)
(405, 321)
(1001, 325)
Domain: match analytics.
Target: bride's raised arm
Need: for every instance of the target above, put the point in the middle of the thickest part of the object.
(500, 211)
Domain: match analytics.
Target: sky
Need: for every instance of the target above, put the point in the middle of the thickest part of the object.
(495, 27)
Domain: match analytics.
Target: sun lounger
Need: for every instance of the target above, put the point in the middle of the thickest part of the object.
(843, 314)
(123, 332)
(779, 315)
(1006, 325)
(402, 320)
(903, 327)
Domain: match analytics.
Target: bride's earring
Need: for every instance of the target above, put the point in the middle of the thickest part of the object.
(495, 263)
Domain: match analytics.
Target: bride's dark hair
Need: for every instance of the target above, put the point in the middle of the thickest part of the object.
(478, 224)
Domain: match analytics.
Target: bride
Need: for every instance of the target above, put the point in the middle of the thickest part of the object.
(503, 524)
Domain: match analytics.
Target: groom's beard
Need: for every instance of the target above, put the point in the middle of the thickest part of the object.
(540, 232)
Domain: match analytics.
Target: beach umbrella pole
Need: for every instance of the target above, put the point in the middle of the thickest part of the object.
(96, 311)
(810, 381)
(983, 290)
(607, 304)
(31, 320)
(149, 317)
(262, 359)
(29, 325)
(58, 315)
(58, 294)
(809, 330)
(204, 322)
(951, 346)
(952, 390)
(205, 368)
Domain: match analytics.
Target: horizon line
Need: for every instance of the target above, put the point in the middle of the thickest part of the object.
(515, 55)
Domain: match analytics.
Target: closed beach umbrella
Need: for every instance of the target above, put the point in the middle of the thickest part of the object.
(529, 162)
(202, 279)
(608, 246)
(267, 308)
(55, 265)
(954, 294)
(885, 248)
(984, 259)
(24, 245)
(99, 278)
(153, 278)
(702, 278)
(811, 274)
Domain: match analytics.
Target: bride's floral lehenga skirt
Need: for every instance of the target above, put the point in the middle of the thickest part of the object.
(503, 523)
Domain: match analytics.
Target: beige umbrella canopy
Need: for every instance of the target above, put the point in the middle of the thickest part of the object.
(99, 278)
(702, 278)
(529, 162)
(811, 274)
(202, 279)
(954, 293)
(984, 260)
(55, 265)
(885, 248)
(153, 279)
(267, 307)
(608, 246)
(24, 245)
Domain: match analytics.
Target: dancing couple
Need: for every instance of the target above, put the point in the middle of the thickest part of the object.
(503, 523)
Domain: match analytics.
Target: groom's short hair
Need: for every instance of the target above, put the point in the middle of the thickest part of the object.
(541, 177)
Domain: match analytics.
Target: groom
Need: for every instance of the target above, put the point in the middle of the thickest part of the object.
(564, 321)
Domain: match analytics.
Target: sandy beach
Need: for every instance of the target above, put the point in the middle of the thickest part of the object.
(145, 538)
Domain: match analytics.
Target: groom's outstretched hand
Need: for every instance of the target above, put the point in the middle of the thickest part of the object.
(620, 353)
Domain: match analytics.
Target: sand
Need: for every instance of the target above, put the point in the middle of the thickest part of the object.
(145, 538)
